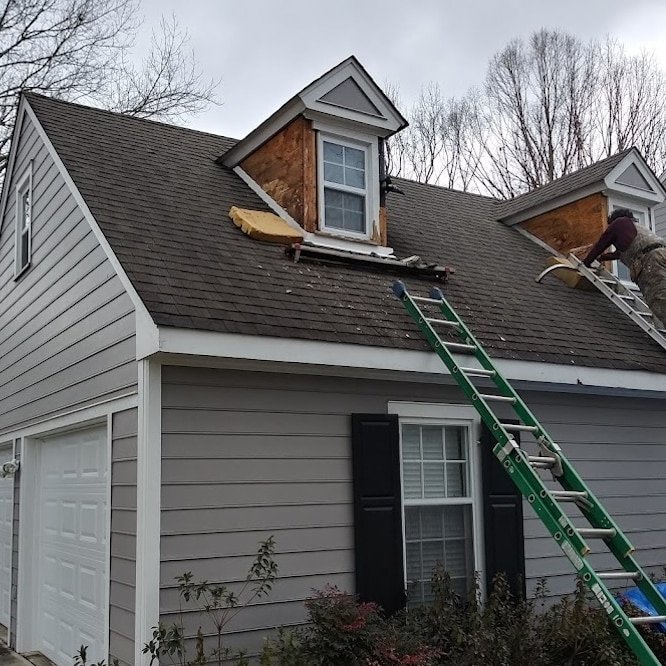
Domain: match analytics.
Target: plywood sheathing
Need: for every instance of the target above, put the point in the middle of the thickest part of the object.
(285, 168)
(381, 238)
(574, 225)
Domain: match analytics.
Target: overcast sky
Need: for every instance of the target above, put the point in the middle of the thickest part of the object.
(264, 51)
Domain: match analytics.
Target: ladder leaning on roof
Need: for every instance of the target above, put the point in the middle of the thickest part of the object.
(616, 291)
(523, 469)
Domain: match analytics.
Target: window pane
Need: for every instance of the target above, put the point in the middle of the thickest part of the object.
(354, 158)
(26, 209)
(413, 551)
(454, 437)
(412, 523)
(354, 222)
(333, 173)
(456, 563)
(432, 443)
(410, 442)
(24, 250)
(431, 522)
(334, 217)
(456, 485)
(433, 554)
(355, 178)
(332, 152)
(433, 480)
(411, 479)
(354, 202)
(454, 521)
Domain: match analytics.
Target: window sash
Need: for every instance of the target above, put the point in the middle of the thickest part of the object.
(23, 223)
(325, 184)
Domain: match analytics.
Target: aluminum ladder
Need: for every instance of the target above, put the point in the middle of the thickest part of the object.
(524, 469)
(616, 291)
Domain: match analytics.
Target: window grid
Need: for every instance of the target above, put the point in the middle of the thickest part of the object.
(437, 529)
(344, 182)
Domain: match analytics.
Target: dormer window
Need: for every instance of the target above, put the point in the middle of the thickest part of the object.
(343, 167)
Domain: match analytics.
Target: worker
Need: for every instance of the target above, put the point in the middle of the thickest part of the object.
(642, 251)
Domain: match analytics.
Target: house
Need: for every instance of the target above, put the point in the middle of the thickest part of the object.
(176, 390)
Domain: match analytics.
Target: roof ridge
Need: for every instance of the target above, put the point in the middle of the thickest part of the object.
(448, 189)
(117, 114)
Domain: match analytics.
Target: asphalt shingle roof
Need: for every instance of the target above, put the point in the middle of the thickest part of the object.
(570, 183)
(162, 202)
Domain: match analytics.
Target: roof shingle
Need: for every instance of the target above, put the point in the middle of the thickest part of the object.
(162, 201)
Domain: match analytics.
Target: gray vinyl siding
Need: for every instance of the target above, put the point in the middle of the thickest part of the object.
(123, 536)
(660, 219)
(67, 331)
(247, 455)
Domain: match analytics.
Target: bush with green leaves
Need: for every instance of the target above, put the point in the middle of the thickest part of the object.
(454, 631)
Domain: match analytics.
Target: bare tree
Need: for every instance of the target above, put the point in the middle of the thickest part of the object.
(548, 106)
(81, 50)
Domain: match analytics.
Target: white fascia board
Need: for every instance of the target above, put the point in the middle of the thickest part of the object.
(552, 204)
(361, 360)
(635, 158)
(20, 114)
(146, 330)
(328, 240)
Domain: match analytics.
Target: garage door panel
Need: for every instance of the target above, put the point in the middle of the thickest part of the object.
(71, 562)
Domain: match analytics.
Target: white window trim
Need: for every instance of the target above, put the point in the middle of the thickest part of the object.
(24, 182)
(617, 202)
(449, 414)
(367, 143)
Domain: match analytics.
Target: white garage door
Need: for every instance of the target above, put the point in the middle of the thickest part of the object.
(71, 554)
(6, 512)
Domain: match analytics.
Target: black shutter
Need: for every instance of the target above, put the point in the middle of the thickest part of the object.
(377, 510)
(502, 519)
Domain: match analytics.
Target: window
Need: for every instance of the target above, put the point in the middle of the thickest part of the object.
(438, 502)
(644, 217)
(23, 223)
(344, 178)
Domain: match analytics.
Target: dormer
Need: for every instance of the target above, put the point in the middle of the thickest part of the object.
(571, 212)
(318, 160)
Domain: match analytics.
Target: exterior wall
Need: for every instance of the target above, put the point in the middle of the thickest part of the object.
(67, 332)
(247, 455)
(286, 168)
(660, 219)
(573, 225)
(67, 327)
(123, 536)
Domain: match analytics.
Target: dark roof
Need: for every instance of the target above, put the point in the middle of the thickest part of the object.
(595, 173)
(162, 202)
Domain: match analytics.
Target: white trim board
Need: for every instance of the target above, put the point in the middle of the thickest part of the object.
(148, 487)
(146, 328)
(407, 365)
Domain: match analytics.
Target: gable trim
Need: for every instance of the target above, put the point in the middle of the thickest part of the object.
(9, 171)
(146, 330)
(658, 192)
(295, 355)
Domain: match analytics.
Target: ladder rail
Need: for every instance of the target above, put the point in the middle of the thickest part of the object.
(602, 281)
(524, 475)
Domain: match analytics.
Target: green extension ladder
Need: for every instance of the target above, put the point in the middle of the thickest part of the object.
(523, 469)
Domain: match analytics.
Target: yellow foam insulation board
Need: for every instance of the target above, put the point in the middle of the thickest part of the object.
(264, 226)
(571, 278)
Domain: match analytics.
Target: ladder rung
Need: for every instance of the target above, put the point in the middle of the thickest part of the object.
(542, 459)
(597, 532)
(444, 322)
(424, 299)
(607, 280)
(479, 372)
(497, 398)
(515, 427)
(568, 495)
(648, 619)
(645, 314)
(458, 346)
(619, 575)
(627, 297)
